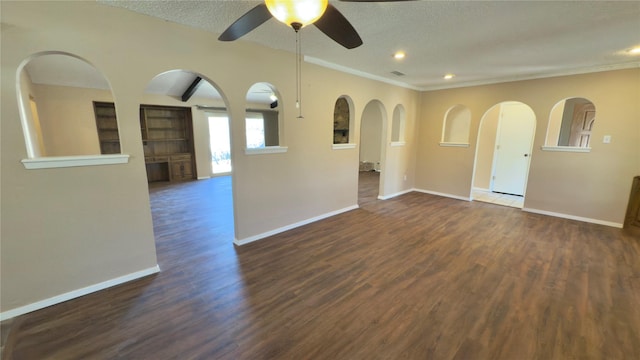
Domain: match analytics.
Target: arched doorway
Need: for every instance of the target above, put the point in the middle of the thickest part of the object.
(176, 116)
(372, 146)
(179, 111)
(503, 154)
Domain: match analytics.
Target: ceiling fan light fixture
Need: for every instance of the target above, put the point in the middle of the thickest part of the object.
(634, 50)
(302, 12)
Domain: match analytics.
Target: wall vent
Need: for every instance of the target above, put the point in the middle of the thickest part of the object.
(397, 73)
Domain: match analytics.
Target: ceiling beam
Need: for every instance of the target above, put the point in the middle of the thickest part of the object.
(191, 89)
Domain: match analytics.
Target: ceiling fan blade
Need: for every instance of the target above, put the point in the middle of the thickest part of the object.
(374, 0)
(247, 22)
(337, 27)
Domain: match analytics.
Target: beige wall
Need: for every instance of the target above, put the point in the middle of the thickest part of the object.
(33, 130)
(555, 120)
(68, 228)
(201, 142)
(68, 120)
(591, 185)
(488, 129)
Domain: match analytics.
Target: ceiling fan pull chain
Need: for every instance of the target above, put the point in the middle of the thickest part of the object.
(299, 74)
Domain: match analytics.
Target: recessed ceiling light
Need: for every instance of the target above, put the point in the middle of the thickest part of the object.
(634, 51)
(449, 76)
(399, 55)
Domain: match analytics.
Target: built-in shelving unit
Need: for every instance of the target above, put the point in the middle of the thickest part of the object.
(167, 139)
(107, 125)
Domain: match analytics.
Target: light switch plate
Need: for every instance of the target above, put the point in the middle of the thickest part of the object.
(606, 139)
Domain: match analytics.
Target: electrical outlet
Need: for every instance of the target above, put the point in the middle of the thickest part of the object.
(606, 139)
(405, 177)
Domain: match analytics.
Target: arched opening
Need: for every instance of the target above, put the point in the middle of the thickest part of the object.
(343, 120)
(175, 126)
(60, 97)
(263, 118)
(455, 126)
(503, 154)
(372, 146)
(570, 123)
(178, 115)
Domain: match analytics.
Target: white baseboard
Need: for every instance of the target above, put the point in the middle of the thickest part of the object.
(77, 293)
(481, 189)
(292, 226)
(573, 217)
(443, 194)
(386, 197)
(204, 177)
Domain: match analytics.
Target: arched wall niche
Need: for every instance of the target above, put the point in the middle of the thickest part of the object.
(570, 125)
(455, 126)
(398, 126)
(264, 125)
(59, 97)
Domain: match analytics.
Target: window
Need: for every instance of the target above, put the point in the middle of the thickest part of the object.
(219, 142)
(570, 125)
(255, 130)
(455, 128)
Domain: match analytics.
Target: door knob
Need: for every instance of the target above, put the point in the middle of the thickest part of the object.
(525, 155)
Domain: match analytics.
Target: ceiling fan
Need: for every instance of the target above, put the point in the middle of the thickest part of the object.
(298, 14)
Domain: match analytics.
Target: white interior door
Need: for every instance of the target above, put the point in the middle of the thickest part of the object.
(513, 147)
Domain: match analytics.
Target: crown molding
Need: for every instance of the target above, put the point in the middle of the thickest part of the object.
(577, 71)
(362, 74)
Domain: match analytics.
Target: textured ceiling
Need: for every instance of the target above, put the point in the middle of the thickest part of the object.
(479, 41)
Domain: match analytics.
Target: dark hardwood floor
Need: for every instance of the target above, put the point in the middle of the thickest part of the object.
(368, 187)
(414, 277)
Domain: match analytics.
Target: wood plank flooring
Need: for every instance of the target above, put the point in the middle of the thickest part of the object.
(414, 277)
